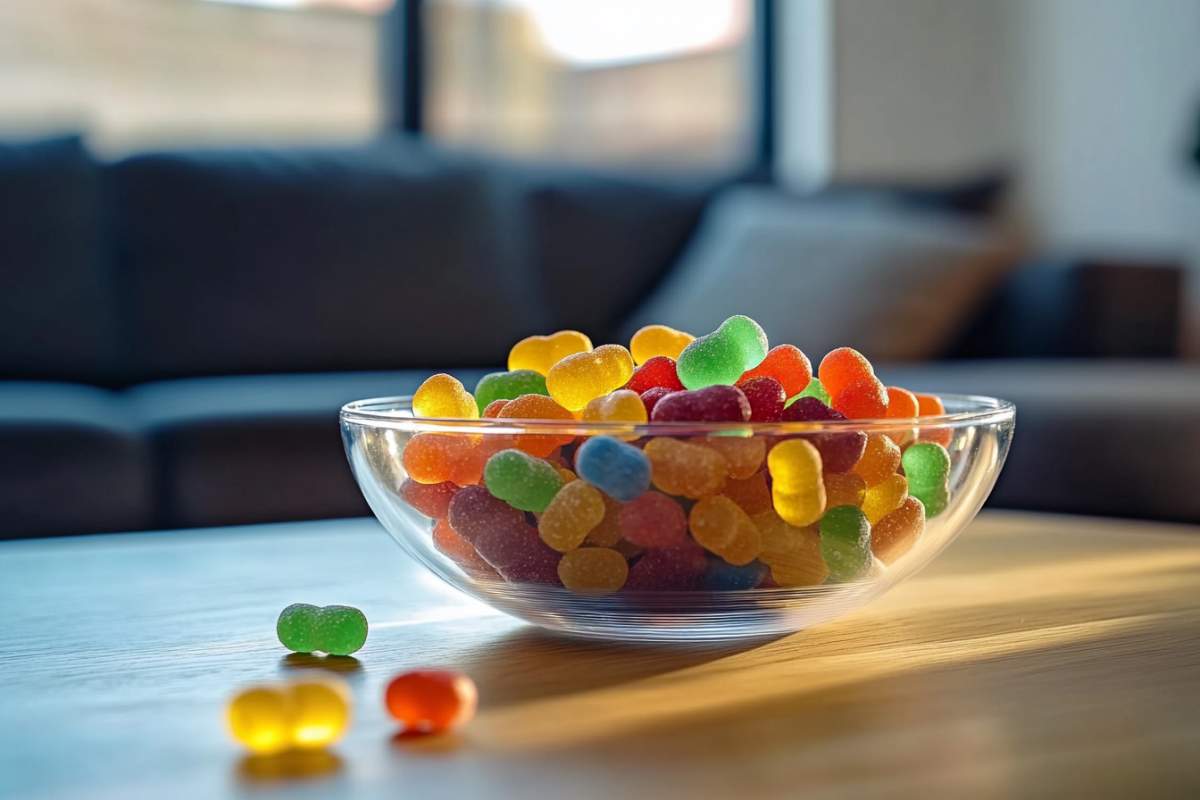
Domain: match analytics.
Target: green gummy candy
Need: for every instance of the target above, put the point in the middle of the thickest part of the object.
(521, 480)
(722, 356)
(926, 464)
(508, 386)
(341, 630)
(934, 498)
(296, 627)
(845, 542)
(814, 389)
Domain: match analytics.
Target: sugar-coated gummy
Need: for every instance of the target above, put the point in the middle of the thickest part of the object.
(684, 468)
(336, 630)
(493, 409)
(793, 553)
(508, 386)
(593, 570)
(786, 364)
(302, 714)
(797, 489)
(444, 396)
(571, 516)
(926, 464)
(931, 405)
(474, 511)
(296, 627)
(672, 569)
(752, 493)
(710, 404)
(431, 499)
(650, 397)
(896, 533)
(537, 407)
(721, 576)
(579, 378)
(441, 457)
(622, 405)
(884, 497)
(743, 454)
(844, 489)
(540, 353)
(766, 398)
(845, 542)
(521, 480)
(455, 547)
(658, 371)
(721, 357)
(839, 451)
(862, 398)
(653, 341)
(620, 470)
(653, 520)
(720, 526)
(431, 701)
(608, 532)
(880, 459)
(519, 554)
(814, 389)
(842, 366)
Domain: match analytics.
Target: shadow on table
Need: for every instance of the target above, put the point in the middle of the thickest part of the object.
(345, 666)
(294, 765)
(531, 663)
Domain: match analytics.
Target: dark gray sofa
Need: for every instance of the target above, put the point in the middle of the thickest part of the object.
(178, 329)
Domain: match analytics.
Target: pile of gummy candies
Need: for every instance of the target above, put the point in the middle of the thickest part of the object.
(311, 713)
(729, 511)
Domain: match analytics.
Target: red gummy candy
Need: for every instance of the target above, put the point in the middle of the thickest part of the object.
(670, 569)
(839, 451)
(785, 363)
(653, 520)
(650, 397)
(766, 397)
(473, 511)
(863, 398)
(431, 499)
(494, 408)
(711, 404)
(658, 371)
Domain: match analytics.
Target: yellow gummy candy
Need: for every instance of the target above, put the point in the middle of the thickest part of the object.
(444, 396)
(540, 353)
(623, 405)
(793, 554)
(885, 497)
(578, 379)
(721, 526)
(304, 714)
(658, 340)
(797, 490)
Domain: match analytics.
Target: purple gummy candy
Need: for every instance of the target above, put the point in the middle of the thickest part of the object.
(651, 396)
(473, 511)
(839, 451)
(519, 554)
(766, 397)
(718, 403)
(668, 569)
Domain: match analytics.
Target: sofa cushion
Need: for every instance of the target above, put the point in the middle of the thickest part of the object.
(71, 461)
(893, 282)
(1093, 437)
(283, 260)
(57, 314)
(257, 448)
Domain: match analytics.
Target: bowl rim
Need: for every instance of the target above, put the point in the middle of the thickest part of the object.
(396, 412)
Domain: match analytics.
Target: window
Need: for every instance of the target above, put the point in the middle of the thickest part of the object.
(615, 82)
(135, 73)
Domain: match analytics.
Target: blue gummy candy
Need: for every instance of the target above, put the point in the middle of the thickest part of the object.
(620, 470)
(723, 577)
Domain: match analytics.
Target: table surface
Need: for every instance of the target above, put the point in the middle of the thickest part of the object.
(1039, 656)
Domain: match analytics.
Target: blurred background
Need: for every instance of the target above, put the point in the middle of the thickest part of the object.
(222, 219)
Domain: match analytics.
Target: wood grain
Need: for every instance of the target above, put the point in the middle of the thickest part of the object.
(1039, 656)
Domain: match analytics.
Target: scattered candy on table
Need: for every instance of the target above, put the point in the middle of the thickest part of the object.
(719, 505)
(301, 714)
(335, 630)
(431, 701)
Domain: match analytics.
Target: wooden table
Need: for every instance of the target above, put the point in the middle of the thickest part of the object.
(1039, 656)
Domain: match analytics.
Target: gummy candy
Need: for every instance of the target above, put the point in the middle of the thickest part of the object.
(844, 489)
(540, 353)
(622, 405)
(441, 457)
(518, 554)
(653, 520)
(620, 470)
(845, 542)
(508, 386)
(658, 340)
(743, 454)
(895, 534)
(710, 404)
(793, 554)
(814, 389)
(444, 396)
(521, 480)
(651, 396)
(494, 408)
(884, 497)
(927, 467)
(336, 630)
(880, 459)
(431, 499)
(721, 576)
(453, 546)
(431, 701)
(593, 570)
(571, 515)
(931, 405)
(579, 378)
(787, 364)
(537, 406)
(671, 569)
(683, 468)
(721, 357)
(304, 714)
(862, 398)
(902, 404)
(766, 398)
(474, 511)
(752, 494)
(720, 526)
(797, 490)
(839, 451)
(608, 532)
(841, 367)
(658, 371)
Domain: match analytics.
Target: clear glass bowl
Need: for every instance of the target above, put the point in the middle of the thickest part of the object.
(976, 432)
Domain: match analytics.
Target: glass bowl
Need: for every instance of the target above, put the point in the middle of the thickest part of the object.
(709, 601)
